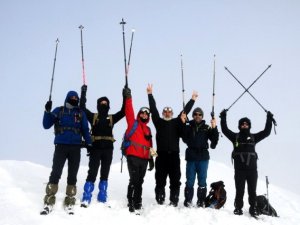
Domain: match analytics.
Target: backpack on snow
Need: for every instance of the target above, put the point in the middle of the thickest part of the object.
(264, 207)
(217, 195)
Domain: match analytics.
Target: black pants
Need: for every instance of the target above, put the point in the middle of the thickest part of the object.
(167, 164)
(241, 177)
(61, 154)
(137, 170)
(97, 157)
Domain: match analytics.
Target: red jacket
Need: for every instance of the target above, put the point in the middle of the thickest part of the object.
(140, 146)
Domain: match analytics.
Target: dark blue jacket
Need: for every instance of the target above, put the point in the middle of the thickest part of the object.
(196, 137)
(70, 125)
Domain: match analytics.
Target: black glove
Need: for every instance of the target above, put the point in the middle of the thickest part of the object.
(83, 96)
(48, 106)
(126, 92)
(223, 114)
(83, 89)
(151, 164)
(89, 149)
(269, 115)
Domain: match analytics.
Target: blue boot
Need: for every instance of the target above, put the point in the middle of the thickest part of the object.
(102, 196)
(87, 194)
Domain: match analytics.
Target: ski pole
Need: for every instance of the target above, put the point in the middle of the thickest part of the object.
(124, 49)
(52, 78)
(247, 89)
(267, 185)
(213, 95)
(82, 58)
(182, 81)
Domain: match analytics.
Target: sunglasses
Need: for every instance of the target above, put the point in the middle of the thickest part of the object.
(168, 109)
(145, 110)
(197, 114)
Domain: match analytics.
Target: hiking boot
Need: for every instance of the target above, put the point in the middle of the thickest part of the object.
(131, 207)
(173, 204)
(238, 211)
(187, 203)
(253, 211)
(160, 195)
(200, 204)
(137, 206)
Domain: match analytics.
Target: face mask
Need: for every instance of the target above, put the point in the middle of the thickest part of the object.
(73, 102)
(102, 109)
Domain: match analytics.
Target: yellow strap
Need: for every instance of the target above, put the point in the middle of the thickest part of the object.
(98, 138)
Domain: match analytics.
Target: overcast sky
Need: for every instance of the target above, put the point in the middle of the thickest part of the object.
(245, 36)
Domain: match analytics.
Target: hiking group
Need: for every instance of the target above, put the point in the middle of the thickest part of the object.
(71, 127)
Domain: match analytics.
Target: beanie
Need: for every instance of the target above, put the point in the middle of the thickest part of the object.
(244, 120)
(198, 110)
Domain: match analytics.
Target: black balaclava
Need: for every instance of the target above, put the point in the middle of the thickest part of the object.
(102, 108)
(241, 121)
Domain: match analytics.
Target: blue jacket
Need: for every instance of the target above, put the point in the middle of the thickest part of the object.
(196, 137)
(70, 125)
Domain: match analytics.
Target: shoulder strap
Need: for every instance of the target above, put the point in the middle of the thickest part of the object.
(132, 130)
(95, 119)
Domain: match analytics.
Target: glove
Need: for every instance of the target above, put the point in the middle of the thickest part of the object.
(269, 115)
(48, 106)
(83, 89)
(223, 114)
(151, 164)
(89, 149)
(126, 92)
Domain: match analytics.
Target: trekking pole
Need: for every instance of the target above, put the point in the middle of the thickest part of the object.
(122, 163)
(247, 89)
(213, 95)
(82, 58)
(124, 49)
(267, 184)
(129, 56)
(182, 81)
(52, 78)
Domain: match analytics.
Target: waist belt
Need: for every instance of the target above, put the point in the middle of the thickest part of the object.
(241, 154)
(107, 138)
(62, 129)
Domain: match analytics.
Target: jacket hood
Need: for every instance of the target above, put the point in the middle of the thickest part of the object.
(70, 94)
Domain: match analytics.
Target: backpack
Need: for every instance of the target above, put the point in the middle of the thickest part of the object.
(217, 195)
(126, 142)
(264, 207)
(59, 129)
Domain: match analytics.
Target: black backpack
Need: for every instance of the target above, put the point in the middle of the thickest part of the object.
(217, 195)
(264, 207)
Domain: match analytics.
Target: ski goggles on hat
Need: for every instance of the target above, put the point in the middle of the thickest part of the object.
(145, 110)
(167, 109)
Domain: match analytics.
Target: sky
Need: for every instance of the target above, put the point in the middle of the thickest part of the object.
(245, 36)
(21, 200)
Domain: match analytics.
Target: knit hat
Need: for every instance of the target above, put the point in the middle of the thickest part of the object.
(244, 120)
(198, 110)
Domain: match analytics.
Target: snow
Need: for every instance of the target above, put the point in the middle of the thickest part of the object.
(23, 185)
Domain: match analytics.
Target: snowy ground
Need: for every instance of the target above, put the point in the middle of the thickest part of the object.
(22, 186)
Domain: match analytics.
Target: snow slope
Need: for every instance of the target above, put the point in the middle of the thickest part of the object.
(22, 186)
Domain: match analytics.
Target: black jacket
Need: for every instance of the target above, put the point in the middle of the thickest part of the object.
(244, 155)
(168, 132)
(196, 137)
(104, 127)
